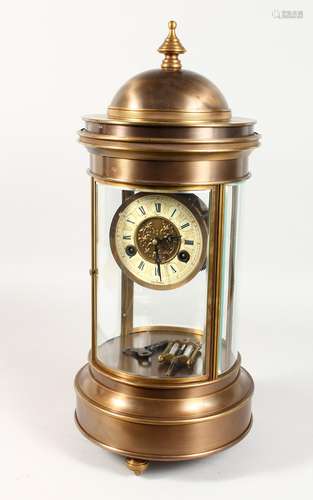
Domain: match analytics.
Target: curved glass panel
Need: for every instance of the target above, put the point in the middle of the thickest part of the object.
(165, 283)
(227, 346)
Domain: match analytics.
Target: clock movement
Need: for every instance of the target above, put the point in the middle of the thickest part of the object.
(164, 380)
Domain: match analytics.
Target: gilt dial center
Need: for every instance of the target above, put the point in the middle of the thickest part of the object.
(158, 233)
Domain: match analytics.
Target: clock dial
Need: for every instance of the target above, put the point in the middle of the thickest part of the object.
(159, 240)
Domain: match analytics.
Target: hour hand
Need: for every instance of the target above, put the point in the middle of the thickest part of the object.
(172, 237)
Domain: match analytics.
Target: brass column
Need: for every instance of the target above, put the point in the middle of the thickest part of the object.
(94, 269)
(127, 298)
(215, 259)
(231, 275)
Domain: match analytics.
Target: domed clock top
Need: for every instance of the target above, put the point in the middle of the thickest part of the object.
(170, 93)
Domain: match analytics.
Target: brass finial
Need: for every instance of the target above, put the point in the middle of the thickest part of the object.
(171, 47)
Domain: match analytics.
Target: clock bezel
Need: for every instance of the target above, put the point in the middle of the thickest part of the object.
(198, 210)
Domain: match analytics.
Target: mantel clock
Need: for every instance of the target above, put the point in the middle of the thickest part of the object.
(164, 379)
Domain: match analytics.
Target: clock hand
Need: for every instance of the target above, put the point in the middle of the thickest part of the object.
(171, 237)
(155, 242)
(158, 261)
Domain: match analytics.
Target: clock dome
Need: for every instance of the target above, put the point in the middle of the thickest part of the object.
(169, 126)
(169, 94)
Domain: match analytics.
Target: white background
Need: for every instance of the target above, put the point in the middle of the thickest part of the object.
(60, 60)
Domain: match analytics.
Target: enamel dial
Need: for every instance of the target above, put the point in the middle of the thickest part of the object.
(159, 240)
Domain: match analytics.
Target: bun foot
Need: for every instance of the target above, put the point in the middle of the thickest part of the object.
(136, 465)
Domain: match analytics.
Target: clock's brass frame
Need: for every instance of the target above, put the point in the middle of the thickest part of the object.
(194, 205)
(168, 131)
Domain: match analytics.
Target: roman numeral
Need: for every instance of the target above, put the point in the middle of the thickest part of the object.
(131, 221)
(189, 242)
(173, 212)
(142, 210)
(156, 271)
(173, 268)
(128, 237)
(141, 265)
(158, 207)
(185, 225)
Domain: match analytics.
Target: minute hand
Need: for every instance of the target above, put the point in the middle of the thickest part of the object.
(158, 262)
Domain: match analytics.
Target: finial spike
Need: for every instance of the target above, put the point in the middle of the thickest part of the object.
(171, 48)
(172, 25)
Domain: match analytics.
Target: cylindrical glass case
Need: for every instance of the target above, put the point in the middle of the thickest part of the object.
(164, 380)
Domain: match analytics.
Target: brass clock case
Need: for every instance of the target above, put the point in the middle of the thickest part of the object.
(159, 225)
(167, 131)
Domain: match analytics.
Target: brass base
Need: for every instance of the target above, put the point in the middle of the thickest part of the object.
(163, 422)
